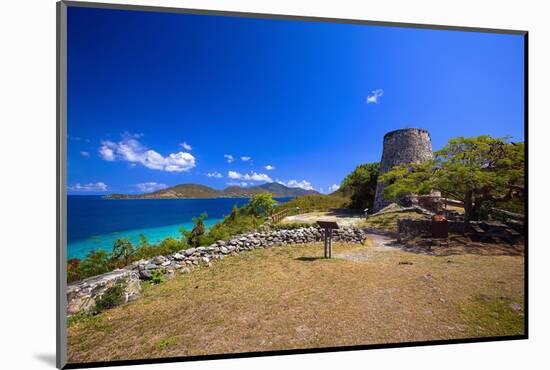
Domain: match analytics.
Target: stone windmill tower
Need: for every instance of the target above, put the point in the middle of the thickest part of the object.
(409, 145)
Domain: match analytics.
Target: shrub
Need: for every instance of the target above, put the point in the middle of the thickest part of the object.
(96, 263)
(193, 237)
(360, 185)
(167, 246)
(157, 277)
(261, 205)
(113, 296)
(73, 270)
(123, 253)
(232, 225)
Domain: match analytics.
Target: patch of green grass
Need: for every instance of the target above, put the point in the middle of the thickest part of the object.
(488, 316)
(145, 285)
(157, 277)
(80, 317)
(87, 321)
(163, 343)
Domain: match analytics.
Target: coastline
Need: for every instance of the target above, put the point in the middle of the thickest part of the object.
(107, 197)
(80, 248)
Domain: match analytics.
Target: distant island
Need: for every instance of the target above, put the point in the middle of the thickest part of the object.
(184, 191)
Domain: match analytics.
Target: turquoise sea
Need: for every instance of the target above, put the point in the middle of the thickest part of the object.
(96, 223)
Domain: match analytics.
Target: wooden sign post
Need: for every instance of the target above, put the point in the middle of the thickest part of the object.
(328, 226)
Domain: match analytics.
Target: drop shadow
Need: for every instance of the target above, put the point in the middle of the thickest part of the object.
(46, 358)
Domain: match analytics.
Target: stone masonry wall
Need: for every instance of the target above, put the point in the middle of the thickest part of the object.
(81, 296)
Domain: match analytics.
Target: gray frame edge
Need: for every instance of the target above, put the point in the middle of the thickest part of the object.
(287, 17)
(61, 190)
(61, 160)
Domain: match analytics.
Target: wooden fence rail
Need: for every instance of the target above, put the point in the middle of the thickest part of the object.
(279, 216)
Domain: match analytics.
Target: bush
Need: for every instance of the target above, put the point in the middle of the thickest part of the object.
(360, 186)
(157, 277)
(123, 253)
(167, 246)
(232, 225)
(113, 296)
(73, 270)
(96, 263)
(261, 205)
(193, 238)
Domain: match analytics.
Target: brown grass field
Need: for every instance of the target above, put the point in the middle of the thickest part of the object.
(289, 298)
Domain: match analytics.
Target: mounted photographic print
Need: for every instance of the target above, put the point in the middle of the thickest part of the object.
(234, 184)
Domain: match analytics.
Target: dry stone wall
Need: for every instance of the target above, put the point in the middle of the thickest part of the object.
(81, 296)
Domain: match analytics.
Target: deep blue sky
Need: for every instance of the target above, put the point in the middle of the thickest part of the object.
(288, 94)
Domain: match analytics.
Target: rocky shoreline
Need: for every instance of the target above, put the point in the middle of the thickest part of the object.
(82, 295)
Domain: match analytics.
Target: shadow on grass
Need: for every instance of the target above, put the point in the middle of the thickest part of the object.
(461, 245)
(309, 259)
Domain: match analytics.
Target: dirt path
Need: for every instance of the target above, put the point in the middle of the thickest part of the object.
(344, 219)
(380, 244)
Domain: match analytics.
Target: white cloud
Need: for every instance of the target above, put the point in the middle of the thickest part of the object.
(215, 174)
(229, 158)
(85, 153)
(333, 187)
(375, 96)
(234, 175)
(304, 184)
(186, 146)
(245, 158)
(131, 150)
(106, 152)
(148, 187)
(269, 167)
(241, 184)
(97, 186)
(249, 177)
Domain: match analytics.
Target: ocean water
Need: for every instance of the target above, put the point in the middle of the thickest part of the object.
(96, 223)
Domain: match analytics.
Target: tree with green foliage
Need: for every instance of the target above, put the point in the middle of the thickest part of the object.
(143, 241)
(96, 263)
(478, 171)
(193, 237)
(360, 185)
(123, 252)
(261, 205)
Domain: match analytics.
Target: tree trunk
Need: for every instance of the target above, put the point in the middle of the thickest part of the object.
(475, 210)
(468, 206)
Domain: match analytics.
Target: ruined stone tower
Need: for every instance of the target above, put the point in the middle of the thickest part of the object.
(409, 145)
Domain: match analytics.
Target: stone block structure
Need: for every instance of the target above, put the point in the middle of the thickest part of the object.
(410, 145)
